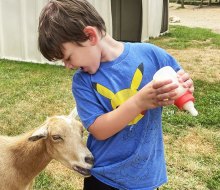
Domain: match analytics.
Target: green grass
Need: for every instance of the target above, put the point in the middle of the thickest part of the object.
(207, 98)
(31, 92)
(181, 37)
(214, 181)
(46, 181)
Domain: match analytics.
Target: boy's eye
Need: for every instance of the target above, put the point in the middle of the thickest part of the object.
(66, 60)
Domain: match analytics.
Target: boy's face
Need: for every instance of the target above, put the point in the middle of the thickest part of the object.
(87, 57)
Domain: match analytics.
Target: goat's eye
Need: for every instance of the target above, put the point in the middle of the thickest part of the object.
(56, 137)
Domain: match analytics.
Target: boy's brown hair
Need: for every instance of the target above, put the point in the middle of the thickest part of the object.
(64, 21)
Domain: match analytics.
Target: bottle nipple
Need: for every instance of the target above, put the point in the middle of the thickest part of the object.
(189, 106)
(186, 102)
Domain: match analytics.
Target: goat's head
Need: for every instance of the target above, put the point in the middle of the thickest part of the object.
(64, 142)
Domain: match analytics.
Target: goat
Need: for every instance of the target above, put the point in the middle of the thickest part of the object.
(23, 157)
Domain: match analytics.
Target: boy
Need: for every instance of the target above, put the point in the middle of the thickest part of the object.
(116, 99)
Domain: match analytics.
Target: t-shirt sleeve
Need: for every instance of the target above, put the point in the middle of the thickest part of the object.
(88, 105)
(165, 59)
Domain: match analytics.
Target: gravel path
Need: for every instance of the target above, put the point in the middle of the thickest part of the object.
(192, 16)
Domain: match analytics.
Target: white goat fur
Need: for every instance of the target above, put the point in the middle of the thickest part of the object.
(24, 157)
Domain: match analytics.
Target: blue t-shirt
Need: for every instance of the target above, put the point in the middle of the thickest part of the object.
(132, 159)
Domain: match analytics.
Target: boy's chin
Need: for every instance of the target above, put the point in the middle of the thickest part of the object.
(91, 72)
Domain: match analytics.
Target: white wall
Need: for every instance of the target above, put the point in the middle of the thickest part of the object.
(104, 9)
(18, 27)
(18, 32)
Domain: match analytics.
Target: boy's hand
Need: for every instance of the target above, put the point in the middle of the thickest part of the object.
(185, 80)
(156, 93)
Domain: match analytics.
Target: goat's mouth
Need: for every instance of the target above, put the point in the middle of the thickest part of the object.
(81, 170)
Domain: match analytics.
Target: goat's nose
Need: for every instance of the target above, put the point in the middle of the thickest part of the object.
(89, 160)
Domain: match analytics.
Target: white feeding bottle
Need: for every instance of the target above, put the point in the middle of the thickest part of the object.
(184, 98)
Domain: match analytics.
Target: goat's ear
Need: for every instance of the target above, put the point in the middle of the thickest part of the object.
(39, 134)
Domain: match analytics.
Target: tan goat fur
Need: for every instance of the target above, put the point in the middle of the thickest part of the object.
(23, 157)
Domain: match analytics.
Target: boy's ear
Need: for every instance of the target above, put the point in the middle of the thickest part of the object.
(92, 34)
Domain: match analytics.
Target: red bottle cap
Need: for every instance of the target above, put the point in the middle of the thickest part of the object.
(186, 97)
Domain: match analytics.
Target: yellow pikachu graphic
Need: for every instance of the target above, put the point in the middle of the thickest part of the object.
(121, 96)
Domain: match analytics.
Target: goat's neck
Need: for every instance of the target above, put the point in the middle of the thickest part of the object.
(29, 158)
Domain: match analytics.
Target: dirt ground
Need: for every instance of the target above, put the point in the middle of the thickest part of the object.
(202, 64)
(193, 16)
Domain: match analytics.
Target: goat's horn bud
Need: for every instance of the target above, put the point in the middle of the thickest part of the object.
(73, 113)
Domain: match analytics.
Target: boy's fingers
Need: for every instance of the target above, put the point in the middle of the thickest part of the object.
(180, 72)
(159, 84)
(188, 83)
(166, 88)
(165, 102)
(191, 89)
(166, 96)
(182, 77)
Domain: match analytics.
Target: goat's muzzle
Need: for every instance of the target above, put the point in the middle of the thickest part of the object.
(83, 171)
(89, 160)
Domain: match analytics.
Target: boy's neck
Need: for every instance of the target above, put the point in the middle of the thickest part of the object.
(110, 48)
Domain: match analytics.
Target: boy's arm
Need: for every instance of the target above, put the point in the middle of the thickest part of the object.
(152, 95)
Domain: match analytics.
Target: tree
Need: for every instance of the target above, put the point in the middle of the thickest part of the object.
(180, 1)
(182, 4)
(201, 3)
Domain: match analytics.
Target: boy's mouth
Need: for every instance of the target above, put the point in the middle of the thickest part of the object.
(84, 69)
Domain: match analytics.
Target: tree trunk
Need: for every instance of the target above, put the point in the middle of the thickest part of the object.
(182, 4)
(201, 3)
(210, 2)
